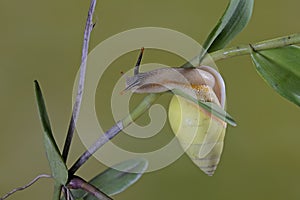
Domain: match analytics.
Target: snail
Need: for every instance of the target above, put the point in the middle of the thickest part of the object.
(200, 133)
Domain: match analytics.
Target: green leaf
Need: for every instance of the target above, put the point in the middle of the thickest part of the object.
(210, 107)
(116, 179)
(233, 21)
(58, 168)
(280, 68)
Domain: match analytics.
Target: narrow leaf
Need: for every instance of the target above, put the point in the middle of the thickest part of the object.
(233, 21)
(113, 181)
(58, 168)
(280, 68)
(212, 108)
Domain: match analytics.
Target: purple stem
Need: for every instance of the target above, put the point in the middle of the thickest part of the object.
(76, 108)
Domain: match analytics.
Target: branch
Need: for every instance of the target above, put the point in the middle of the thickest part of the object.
(76, 108)
(25, 186)
(118, 127)
(246, 49)
(79, 183)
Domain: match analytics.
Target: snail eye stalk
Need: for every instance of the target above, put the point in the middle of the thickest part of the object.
(138, 63)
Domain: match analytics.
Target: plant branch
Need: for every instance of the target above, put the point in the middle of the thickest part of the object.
(76, 108)
(79, 183)
(26, 186)
(149, 99)
(67, 193)
(118, 127)
(246, 49)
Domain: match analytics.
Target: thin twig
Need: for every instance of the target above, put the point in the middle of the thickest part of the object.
(67, 193)
(79, 183)
(245, 49)
(138, 111)
(26, 186)
(88, 29)
(99, 143)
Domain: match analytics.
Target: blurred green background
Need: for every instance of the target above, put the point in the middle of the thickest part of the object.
(42, 40)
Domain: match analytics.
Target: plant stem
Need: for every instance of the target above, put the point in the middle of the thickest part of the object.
(119, 126)
(76, 108)
(79, 183)
(26, 186)
(246, 49)
(149, 99)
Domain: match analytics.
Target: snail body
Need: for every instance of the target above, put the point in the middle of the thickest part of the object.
(200, 133)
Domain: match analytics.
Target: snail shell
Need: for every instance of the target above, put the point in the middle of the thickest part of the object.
(200, 134)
